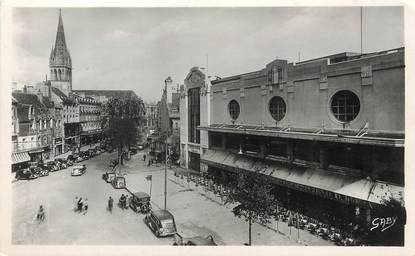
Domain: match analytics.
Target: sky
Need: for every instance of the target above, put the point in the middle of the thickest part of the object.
(138, 48)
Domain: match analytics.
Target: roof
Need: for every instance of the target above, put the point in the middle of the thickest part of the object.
(108, 93)
(163, 214)
(59, 93)
(23, 113)
(28, 99)
(141, 195)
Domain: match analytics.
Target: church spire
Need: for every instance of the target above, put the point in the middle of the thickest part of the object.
(60, 35)
(60, 63)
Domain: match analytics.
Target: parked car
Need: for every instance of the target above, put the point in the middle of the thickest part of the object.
(53, 167)
(312, 227)
(336, 238)
(25, 174)
(142, 146)
(84, 155)
(161, 222)
(323, 232)
(195, 241)
(118, 182)
(38, 171)
(139, 202)
(78, 170)
(63, 162)
(109, 176)
(78, 158)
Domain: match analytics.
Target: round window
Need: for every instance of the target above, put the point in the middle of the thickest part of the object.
(234, 109)
(345, 106)
(277, 108)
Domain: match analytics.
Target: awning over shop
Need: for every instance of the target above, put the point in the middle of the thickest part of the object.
(36, 151)
(20, 157)
(308, 179)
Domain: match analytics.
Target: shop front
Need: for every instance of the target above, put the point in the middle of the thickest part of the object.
(356, 205)
(20, 160)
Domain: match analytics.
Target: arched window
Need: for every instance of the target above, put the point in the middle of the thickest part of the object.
(277, 108)
(59, 75)
(345, 106)
(234, 109)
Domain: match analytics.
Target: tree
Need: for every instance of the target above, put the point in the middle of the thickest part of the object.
(252, 193)
(123, 116)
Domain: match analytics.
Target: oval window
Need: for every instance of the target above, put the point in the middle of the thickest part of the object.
(345, 106)
(277, 108)
(234, 109)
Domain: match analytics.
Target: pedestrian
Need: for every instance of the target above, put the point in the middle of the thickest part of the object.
(125, 201)
(75, 204)
(110, 203)
(80, 205)
(40, 215)
(85, 203)
(148, 163)
(144, 158)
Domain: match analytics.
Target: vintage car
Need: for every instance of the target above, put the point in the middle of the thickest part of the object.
(312, 227)
(38, 171)
(336, 238)
(53, 167)
(25, 174)
(139, 202)
(323, 232)
(84, 155)
(78, 170)
(91, 152)
(63, 162)
(109, 176)
(118, 182)
(349, 242)
(161, 222)
(77, 158)
(195, 241)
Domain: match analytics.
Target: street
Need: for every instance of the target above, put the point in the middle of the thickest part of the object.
(196, 212)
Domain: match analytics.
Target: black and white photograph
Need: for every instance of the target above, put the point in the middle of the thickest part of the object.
(207, 126)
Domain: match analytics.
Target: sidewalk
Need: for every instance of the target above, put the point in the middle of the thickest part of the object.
(214, 219)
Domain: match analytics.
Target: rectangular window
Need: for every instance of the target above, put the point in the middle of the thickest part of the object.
(215, 140)
(276, 148)
(194, 115)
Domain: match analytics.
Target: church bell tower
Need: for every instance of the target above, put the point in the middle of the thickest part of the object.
(60, 63)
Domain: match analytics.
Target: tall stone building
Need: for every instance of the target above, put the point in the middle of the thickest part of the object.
(60, 63)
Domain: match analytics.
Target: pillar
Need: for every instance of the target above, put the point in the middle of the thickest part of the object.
(262, 149)
(324, 157)
(290, 151)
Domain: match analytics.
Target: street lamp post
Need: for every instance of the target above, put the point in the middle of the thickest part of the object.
(167, 81)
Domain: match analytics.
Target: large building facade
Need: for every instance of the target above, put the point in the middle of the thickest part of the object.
(329, 131)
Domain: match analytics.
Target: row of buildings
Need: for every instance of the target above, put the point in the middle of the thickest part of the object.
(50, 118)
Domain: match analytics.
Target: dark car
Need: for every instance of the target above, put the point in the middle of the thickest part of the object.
(52, 165)
(195, 241)
(84, 155)
(63, 162)
(25, 174)
(161, 222)
(38, 171)
(139, 202)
